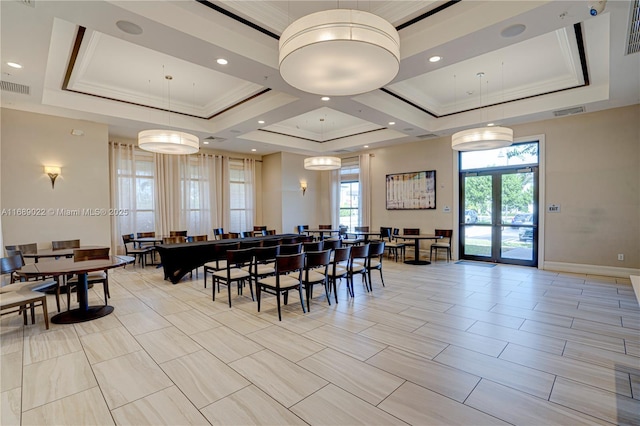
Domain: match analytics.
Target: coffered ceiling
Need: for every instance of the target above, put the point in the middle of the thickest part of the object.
(137, 65)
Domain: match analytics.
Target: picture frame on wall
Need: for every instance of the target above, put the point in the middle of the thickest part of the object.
(411, 191)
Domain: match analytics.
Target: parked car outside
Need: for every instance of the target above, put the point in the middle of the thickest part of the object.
(470, 216)
(521, 219)
(525, 234)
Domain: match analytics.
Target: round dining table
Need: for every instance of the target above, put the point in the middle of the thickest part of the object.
(416, 246)
(84, 312)
(51, 253)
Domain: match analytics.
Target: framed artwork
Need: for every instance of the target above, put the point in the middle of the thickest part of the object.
(411, 191)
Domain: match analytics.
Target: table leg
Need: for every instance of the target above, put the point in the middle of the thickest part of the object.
(416, 258)
(84, 312)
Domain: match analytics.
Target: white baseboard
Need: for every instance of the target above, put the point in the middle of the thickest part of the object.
(577, 268)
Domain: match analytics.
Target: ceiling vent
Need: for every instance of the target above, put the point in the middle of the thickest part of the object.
(214, 139)
(633, 45)
(427, 136)
(568, 111)
(31, 3)
(6, 86)
(342, 151)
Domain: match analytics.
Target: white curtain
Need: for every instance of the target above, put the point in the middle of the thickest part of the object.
(167, 193)
(123, 192)
(334, 197)
(365, 190)
(249, 168)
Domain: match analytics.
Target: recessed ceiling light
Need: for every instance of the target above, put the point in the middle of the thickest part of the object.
(366, 146)
(513, 30)
(325, 98)
(253, 150)
(222, 61)
(14, 65)
(205, 142)
(491, 124)
(77, 132)
(435, 58)
(391, 123)
(260, 121)
(129, 27)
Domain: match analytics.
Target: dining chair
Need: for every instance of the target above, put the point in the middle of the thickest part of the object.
(342, 234)
(149, 234)
(302, 228)
(288, 276)
(260, 233)
(31, 248)
(358, 265)
(269, 242)
(178, 234)
(131, 250)
(290, 248)
(442, 244)
(316, 272)
(23, 296)
(352, 239)
(325, 227)
(259, 228)
(246, 234)
(235, 272)
(391, 245)
(271, 232)
(96, 277)
(264, 262)
(338, 268)
(65, 244)
(312, 246)
(195, 238)
(374, 260)
(219, 260)
(174, 239)
(217, 233)
(411, 231)
(331, 244)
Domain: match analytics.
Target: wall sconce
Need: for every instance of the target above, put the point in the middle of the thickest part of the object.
(53, 172)
(303, 186)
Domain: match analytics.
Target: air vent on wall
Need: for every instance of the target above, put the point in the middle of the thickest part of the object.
(568, 111)
(31, 3)
(342, 151)
(633, 44)
(15, 88)
(213, 139)
(427, 136)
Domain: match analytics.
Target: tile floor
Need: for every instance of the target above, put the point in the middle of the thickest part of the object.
(440, 344)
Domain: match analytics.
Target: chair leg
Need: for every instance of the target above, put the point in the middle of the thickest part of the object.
(326, 291)
(278, 298)
(302, 299)
(258, 295)
(45, 312)
(229, 291)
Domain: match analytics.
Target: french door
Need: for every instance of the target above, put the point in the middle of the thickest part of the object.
(499, 215)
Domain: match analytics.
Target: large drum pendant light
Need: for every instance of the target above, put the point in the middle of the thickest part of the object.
(339, 52)
(482, 138)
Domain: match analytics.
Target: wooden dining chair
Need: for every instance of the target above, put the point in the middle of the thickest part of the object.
(97, 277)
(442, 244)
(217, 233)
(338, 269)
(65, 244)
(219, 261)
(411, 231)
(131, 250)
(315, 272)
(27, 294)
(236, 271)
(288, 276)
(374, 260)
(178, 234)
(358, 266)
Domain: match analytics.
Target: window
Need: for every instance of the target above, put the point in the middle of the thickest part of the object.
(136, 184)
(195, 203)
(350, 193)
(237, 194)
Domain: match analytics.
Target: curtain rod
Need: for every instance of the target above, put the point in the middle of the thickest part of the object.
(203, 153)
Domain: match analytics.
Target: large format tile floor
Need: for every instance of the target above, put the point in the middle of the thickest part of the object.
(440, 344)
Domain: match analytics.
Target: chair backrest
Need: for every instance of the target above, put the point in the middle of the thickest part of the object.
(331, 244)
(325, 227)
(385, 233)
(305, 238)
(317, 258)
(259, 228)
(220, 250)
(359, 252)
(66, 244)
(234, 235)
(239, 258)
(177, 233)
(127, 238)
(250, 244)
(289, 240)
(411, 231)
(271, 232)
(246, 234)
(376, 249)
(31, 248)
(260, 233)
(175, 239)
(217, 232)
(342, 231)
(198, 238)
(302, 228)
(90, 254)
(361, 228)
(312, 246)
(396, 232)
(270, 242)
(342, 254)
(289, 263)
(265, 254)
(287, 249)
(146, 234)
(446, 235)
(11, 264)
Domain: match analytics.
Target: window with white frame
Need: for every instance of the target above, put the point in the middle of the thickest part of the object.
(237, 196)
(349, 192)
(136, 184)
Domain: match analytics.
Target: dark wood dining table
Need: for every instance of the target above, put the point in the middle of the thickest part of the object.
(416, 244)
(84, 312)
(51, 253)
(321, 232)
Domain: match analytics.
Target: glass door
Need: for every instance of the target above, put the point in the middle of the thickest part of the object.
(499, 205)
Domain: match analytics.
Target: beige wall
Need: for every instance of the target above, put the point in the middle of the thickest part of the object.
(30, 141)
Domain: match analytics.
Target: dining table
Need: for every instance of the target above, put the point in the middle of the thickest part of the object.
(51, 253)
(416, 246)
(321, 232)
(65, 266)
